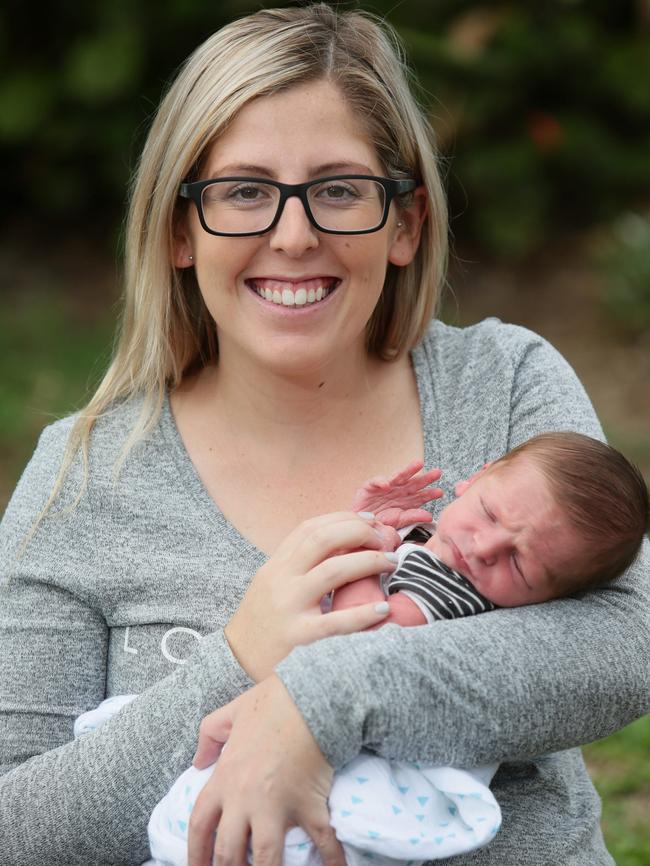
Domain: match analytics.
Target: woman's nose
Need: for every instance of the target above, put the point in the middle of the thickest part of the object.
(294, 234)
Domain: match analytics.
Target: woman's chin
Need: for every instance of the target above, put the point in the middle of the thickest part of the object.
(304, 358)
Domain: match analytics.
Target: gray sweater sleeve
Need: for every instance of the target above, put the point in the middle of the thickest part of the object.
(86, 801)
(511, 683)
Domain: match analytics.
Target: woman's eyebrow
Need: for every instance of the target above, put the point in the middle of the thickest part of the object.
(354, 167)
(318, 171)
(241, 168)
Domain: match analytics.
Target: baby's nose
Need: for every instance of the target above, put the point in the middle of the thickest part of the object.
(489, 545)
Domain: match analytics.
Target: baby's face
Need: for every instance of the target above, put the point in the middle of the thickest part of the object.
(508, 536)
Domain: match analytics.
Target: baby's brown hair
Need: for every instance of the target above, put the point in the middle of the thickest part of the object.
(604, 496)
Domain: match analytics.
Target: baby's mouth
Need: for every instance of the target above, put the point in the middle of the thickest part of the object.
(298, 294)
(463, 567)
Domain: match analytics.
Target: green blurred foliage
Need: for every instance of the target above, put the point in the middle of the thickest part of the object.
(621, 772)
(542, 109)
(623, 257)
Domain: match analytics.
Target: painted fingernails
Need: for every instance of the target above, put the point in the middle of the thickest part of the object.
(391, 557)
(382, 607)
(367, 515)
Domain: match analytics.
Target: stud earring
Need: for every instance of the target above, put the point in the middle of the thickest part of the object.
(400, 224)
(191, 258)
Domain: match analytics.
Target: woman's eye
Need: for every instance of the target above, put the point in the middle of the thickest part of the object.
(336, 192)
(247, 193)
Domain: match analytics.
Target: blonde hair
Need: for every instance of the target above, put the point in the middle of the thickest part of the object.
(166, 330)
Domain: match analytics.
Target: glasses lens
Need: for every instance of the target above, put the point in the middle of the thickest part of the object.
(238, 207)
(347, 204)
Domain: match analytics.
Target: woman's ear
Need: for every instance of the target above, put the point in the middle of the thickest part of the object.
(182, 254)
(407, 231)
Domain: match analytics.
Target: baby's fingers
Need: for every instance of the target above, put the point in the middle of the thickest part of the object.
(422, 496)
(417, 483)
(406, 473)
(413, 515)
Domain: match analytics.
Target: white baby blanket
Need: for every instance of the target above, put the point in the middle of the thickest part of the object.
(383, 811)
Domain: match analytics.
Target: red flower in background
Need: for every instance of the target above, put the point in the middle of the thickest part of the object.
(545, 131)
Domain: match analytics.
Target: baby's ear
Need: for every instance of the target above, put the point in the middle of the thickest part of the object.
(462, 486)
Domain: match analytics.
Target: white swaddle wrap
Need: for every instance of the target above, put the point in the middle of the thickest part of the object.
(384, 811)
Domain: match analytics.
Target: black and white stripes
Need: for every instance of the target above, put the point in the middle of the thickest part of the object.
(445, 593)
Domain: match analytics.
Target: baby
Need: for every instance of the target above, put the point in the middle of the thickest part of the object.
(559, 514)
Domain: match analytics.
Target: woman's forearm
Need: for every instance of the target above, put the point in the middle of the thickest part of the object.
(511, 683)
(88, 802)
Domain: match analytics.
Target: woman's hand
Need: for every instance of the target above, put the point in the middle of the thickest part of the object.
(271, 777)
(397, 501)
(281, 608)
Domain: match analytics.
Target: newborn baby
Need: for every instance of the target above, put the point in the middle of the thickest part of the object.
(560, 513)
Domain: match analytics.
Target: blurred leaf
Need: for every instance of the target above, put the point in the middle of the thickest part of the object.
(625, 74)
(103, 66)
(26, 98)
(624, 259)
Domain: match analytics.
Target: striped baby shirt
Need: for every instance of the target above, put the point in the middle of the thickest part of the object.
(438, 590)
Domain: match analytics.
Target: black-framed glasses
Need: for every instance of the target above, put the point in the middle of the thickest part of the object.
(351, 204)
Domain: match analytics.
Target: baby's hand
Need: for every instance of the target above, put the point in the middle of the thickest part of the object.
(396, 501)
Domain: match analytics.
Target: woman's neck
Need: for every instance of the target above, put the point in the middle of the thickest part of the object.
(283, 400)
(295, 446)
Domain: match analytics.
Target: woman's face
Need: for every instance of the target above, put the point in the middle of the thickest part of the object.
(292, 137)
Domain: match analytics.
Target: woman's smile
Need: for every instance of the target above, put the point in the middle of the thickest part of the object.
(295, 294)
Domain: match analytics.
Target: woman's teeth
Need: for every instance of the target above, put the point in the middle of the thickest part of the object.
(286, 297)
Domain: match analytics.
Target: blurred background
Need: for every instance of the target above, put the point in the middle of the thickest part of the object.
(542, 112)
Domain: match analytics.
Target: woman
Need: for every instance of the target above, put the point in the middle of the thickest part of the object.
(274, 353)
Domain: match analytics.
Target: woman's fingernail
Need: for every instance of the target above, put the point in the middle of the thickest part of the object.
(367, 515)
(382, 607)
(391, 557)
